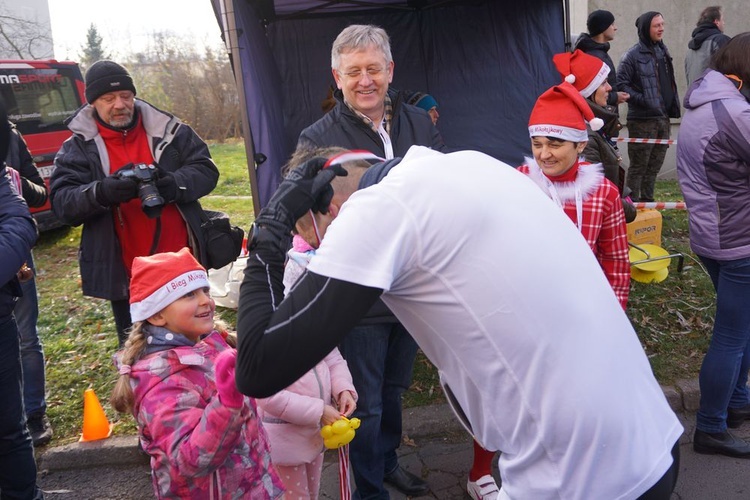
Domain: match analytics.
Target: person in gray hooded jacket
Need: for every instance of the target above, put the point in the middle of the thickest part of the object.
(707, 37)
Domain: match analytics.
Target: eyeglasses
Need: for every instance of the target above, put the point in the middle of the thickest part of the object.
(356, 74)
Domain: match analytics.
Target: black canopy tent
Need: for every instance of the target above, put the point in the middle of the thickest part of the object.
(485, 61)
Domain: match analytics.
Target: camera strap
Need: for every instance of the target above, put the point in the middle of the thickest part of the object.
(157, 236)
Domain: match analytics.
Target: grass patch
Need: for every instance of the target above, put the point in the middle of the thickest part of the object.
(673, 319)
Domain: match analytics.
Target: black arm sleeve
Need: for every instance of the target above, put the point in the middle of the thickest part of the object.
(278, 342)
(32, 184)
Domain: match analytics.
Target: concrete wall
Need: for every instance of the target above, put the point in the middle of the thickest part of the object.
(680, 17)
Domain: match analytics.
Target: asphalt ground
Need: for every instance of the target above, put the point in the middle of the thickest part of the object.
(435, 447)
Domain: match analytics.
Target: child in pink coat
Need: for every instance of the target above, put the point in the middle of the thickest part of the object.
(177, 378)
(293, 417)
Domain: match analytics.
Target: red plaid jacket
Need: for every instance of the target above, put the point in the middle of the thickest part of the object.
(603, 221)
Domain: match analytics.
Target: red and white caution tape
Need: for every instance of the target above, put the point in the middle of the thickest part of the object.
(345, 485)
(647, 141)
(661, 205)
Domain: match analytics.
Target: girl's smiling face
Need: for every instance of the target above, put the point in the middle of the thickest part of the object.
(192, 315)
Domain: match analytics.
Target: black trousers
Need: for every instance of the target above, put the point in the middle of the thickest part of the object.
(121, 312)
(663, 488)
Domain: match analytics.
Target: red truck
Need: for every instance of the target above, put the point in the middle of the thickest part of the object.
(40, 96)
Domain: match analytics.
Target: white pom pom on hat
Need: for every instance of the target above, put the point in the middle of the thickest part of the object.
(596, 124)
(584, 71)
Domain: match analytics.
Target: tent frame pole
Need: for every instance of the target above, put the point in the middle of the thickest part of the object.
(232, 41)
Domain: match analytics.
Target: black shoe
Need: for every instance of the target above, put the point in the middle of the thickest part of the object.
(735, 416)
(40, 429)
(406, 482)
(720, 443)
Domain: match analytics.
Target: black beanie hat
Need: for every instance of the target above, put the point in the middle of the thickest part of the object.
(106, 76)
(599, 21)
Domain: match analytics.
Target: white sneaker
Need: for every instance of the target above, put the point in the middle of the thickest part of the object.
(484, 488)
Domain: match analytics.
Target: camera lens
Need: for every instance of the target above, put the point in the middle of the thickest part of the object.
(151, 201)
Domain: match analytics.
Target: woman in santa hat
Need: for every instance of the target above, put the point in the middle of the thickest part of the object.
(588, 74)
(558, 132)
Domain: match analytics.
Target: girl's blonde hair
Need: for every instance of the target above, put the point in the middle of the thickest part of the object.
(122, 398)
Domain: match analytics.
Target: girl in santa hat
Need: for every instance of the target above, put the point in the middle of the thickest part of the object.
(177, 378)
(557, 128)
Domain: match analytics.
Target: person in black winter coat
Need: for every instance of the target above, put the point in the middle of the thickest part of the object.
(111, 133)
(34, 192)
(602, 29)
(708, 37)
(371, 116)
(647, 74)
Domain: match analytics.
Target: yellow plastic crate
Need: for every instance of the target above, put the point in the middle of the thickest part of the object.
(646, 228)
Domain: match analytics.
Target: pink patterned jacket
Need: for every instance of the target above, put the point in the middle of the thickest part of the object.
(199, 448)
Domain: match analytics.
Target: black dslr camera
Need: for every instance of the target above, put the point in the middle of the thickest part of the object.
(145, 176)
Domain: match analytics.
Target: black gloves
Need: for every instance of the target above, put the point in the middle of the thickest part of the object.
(167, 186)
(115, 190)
(306, 187)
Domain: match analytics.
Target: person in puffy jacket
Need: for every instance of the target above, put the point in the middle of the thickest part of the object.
(713, 167)
(646, 73)
(177, 378)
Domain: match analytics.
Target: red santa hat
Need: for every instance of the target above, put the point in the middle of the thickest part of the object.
(160, 279)
(585, 72)
(561, 112)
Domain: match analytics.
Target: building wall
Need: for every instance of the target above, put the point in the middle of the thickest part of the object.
(36, 11)
(680, 18)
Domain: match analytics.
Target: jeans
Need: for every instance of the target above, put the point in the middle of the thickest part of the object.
(381, 359)
(32, 355)
(646, 159)
(723, 375)
(17, 466)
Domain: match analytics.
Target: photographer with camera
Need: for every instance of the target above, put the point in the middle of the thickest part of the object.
(132, 175)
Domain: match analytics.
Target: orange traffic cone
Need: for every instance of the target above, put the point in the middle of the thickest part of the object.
(95, 423)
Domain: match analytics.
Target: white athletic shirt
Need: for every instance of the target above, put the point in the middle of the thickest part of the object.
(505, 297)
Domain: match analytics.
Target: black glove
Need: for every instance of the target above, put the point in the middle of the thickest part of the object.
(306, 187)
(167, 186)
(114, 190)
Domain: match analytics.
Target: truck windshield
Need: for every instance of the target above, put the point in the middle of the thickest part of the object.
(39, 99)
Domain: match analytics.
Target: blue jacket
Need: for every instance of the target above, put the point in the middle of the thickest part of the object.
(713, 167)
(638, 75)
(17, 236)
(82, 162)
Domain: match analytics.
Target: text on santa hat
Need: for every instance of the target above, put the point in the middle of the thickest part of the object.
(546, 129)
(184, 280)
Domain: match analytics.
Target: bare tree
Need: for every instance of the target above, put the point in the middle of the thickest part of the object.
(200, 89)
(23, 38)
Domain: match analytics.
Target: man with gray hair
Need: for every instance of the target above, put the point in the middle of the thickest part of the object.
(380, 352)
(707, 37)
